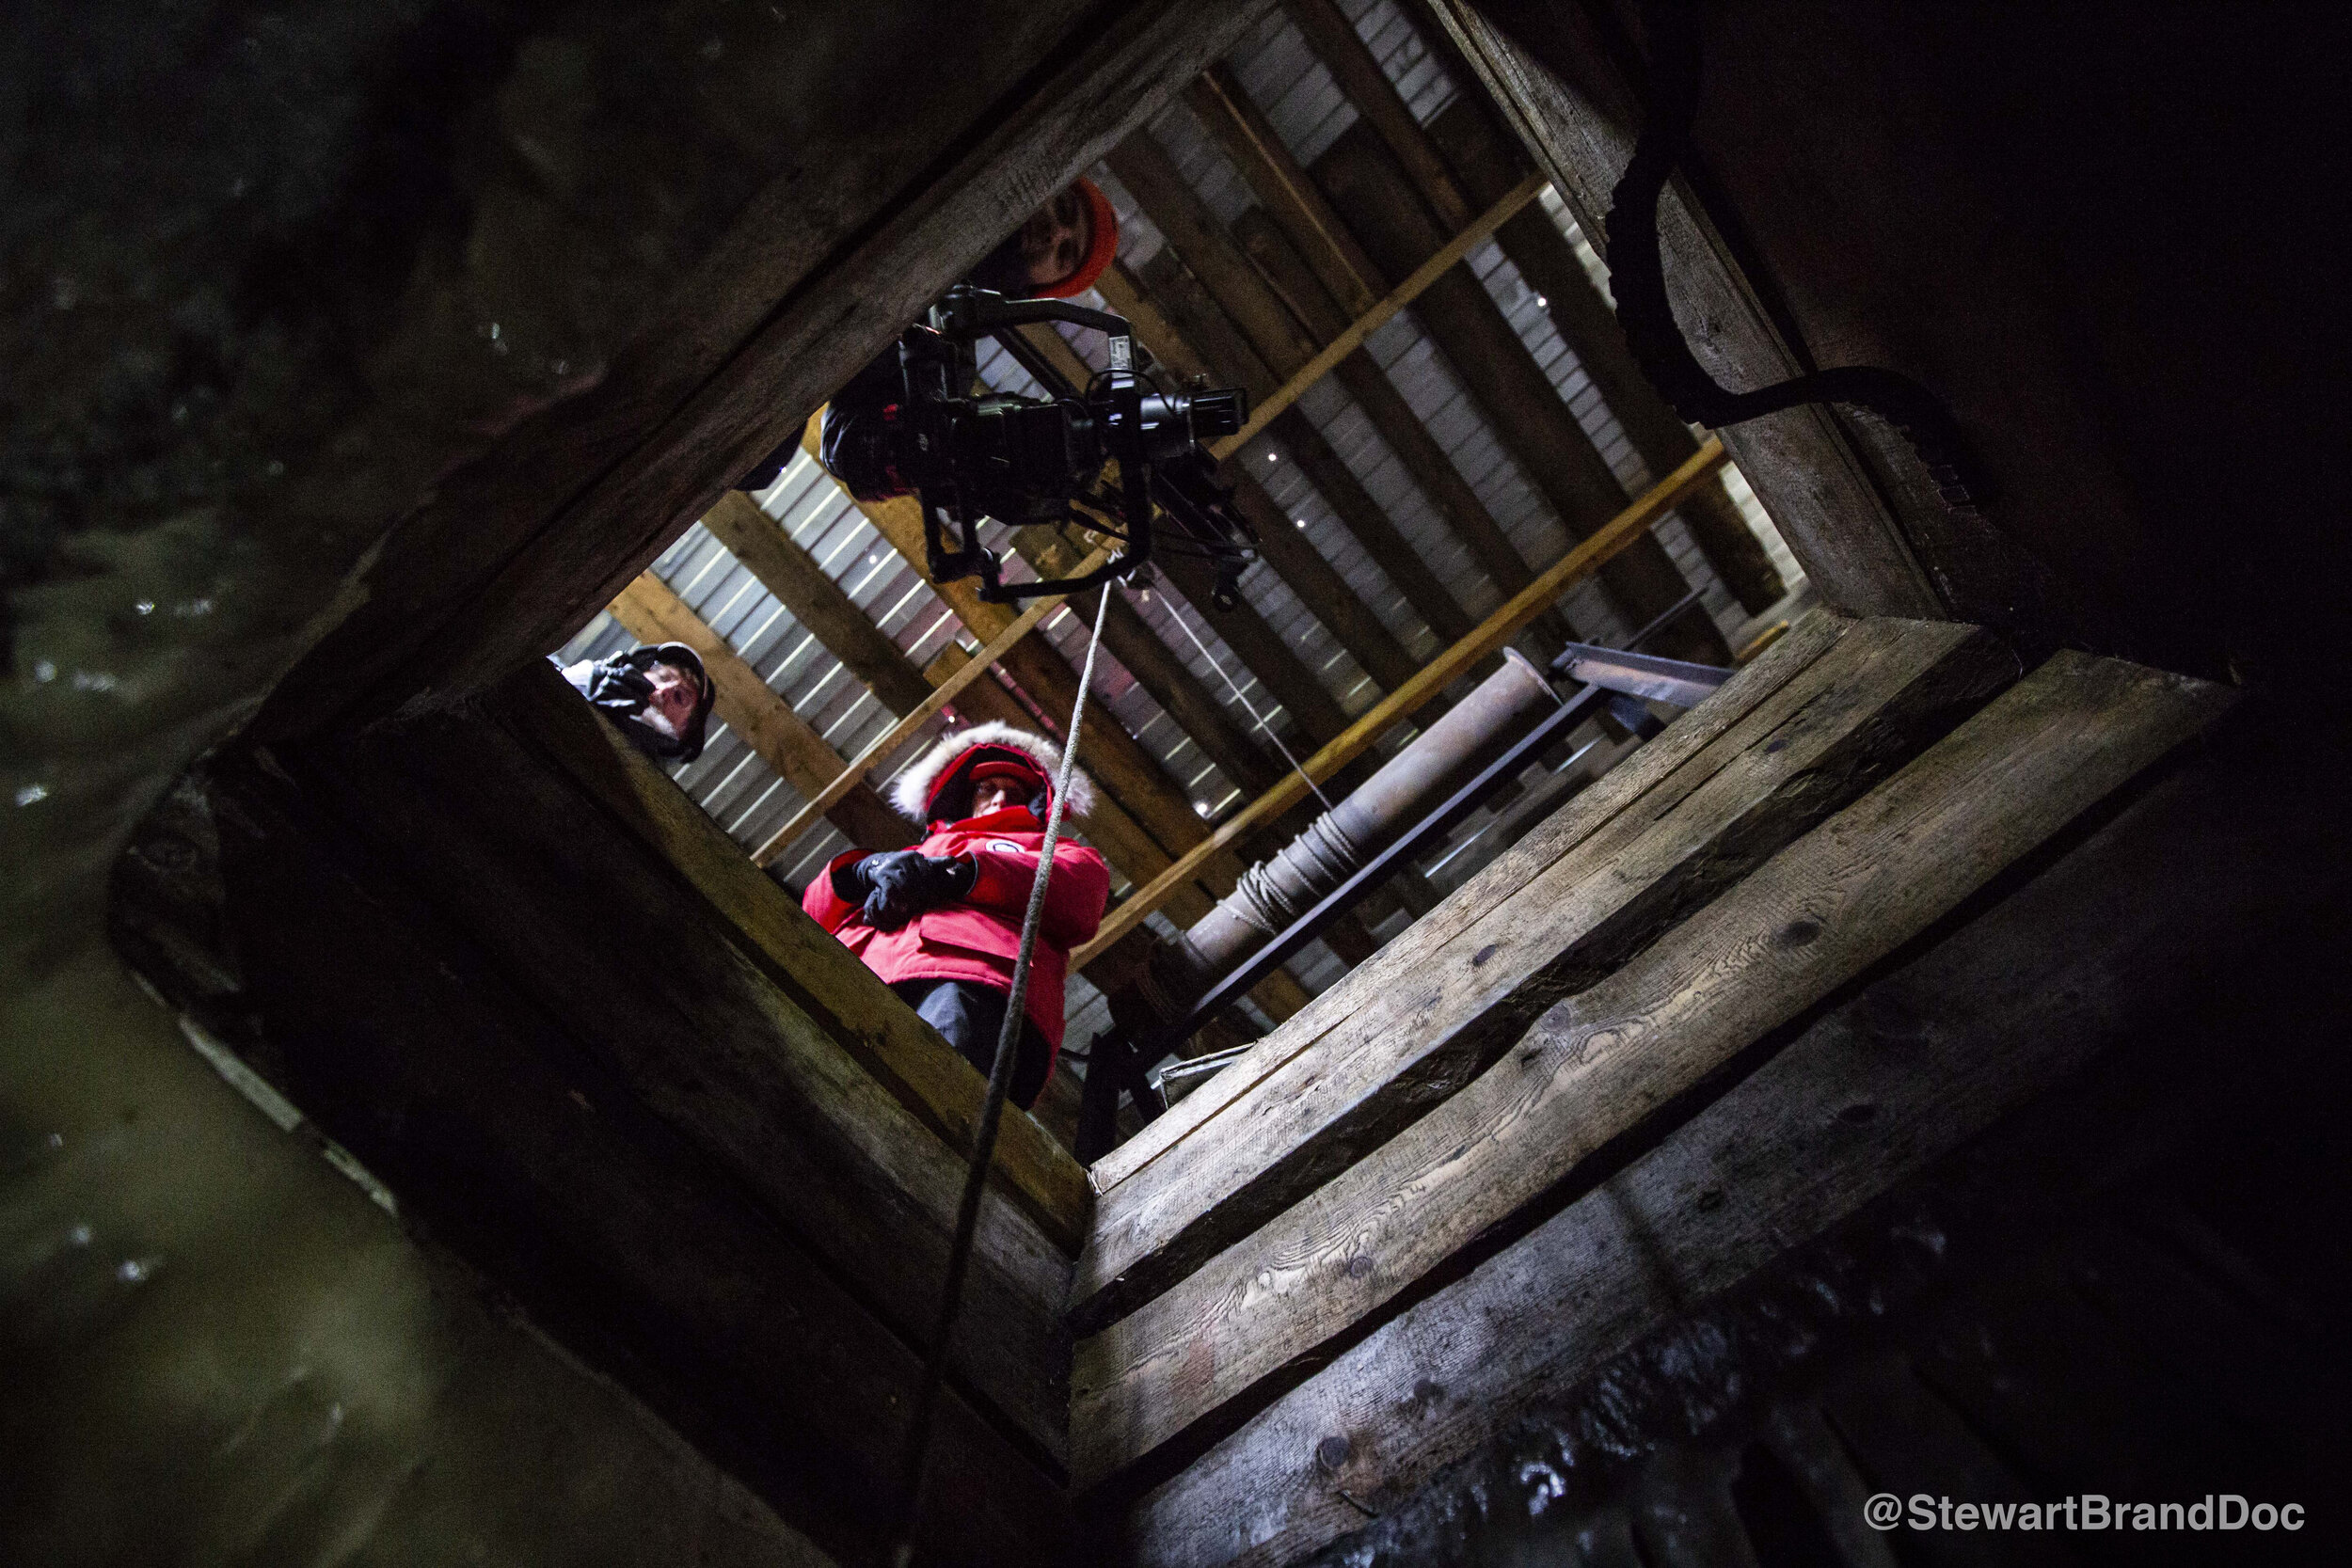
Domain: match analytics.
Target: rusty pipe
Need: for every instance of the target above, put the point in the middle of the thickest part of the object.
(1277, 889)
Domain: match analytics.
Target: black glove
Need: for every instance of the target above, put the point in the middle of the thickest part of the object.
(896, 887)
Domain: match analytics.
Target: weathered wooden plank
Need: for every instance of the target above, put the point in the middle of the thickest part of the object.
(614, 945)
(2008, 1006)
(1285, 345)
(1188, 309)
(1803, 465)
(523, 1153)
(1513, 870)
(652, 613)
(1485, 160)
(1885, 691)
(1432, 470)
(1502, 377)
(937, 1087)
(1592, 1068)
(817, 601)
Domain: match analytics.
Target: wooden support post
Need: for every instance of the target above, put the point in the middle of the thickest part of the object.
(1285, 346)
(1592, 1070)
(1498, 630)
(1784, 743)
(1483, 159)
(1496, 369)
(652, 613)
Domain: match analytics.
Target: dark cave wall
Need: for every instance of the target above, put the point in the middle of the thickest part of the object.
(268, 279)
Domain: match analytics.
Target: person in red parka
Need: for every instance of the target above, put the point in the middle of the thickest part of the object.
(941, 922)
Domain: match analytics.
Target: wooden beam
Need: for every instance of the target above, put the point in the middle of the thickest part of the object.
(652, 613)
(1350, 60)
(1793, 741)
(1431, 469)
(818, 602)
(1497, 371)
(825, 981)
(1283, 344)
(1416, 283)
(1592, 1068)
(1804, 464)
(1196, 316)
(1287, 191)
(625, 1241)
(2060, 975)
(853, 771)
(1484, 159)
(1498, 630)
(836, 247)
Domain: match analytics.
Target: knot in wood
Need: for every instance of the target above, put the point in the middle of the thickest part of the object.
(1332, 1451)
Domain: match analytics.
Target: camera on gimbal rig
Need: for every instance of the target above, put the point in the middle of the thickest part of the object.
(1025, 461)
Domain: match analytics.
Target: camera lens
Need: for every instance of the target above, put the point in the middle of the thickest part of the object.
(1218, 413)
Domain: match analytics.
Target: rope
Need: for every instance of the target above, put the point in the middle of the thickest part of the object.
(992, 1113)
(1178, 616)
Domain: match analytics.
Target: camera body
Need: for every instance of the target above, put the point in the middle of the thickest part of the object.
(1026, 461)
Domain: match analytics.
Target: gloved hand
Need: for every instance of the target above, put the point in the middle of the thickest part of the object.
(894, 888)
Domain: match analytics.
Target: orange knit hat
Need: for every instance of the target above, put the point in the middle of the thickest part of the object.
(1102, 220)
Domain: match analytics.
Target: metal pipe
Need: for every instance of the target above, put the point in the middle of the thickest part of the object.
(1275, 891)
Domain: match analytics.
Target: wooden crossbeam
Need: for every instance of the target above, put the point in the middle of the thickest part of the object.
(1995, 1016)
(1416, 283)
(883, 745)
(1747, 771)
(1497, 629)
(1595, 1067)
(1498, 371)
(1483, 159)
(651, 611)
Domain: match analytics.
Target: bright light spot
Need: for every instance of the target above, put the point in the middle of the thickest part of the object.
(1274, 457)
(132, 1271)
(145, 607)
(1541, 302)
(1201, 806)
(43, 671)
(31, 793)
(1302, 522)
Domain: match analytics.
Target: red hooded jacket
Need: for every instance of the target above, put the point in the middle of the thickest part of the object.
(978, 937)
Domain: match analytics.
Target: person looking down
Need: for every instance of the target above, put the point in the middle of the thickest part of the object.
(941, 922)
(1056, 254)
(657, 695)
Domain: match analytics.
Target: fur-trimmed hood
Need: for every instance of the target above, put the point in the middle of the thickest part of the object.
(912, 790)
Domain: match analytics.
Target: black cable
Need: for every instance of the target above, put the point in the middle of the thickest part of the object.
(1637, 276)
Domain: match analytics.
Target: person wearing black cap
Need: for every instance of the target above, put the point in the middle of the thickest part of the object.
(941, 922)
(658, 696)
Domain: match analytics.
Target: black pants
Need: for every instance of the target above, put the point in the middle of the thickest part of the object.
(971, 1016)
